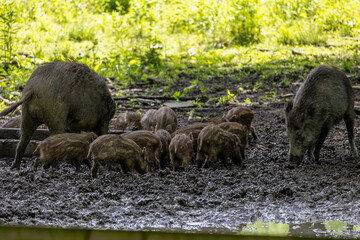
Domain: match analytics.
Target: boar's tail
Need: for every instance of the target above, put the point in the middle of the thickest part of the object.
(16, 104)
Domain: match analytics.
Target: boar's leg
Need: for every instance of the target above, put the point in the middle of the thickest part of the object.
(320, 140)
(349, 121)
(78, 164)
(36, 164)
(310, 153)
(87, 163)
(28, 127)
(102, 127)
(157, 162)
(224, 157)
(253, 133)
(94, 168)
(237, 159)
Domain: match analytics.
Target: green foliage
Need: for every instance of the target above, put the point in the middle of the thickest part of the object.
(244, 24)
(229, 98)
(134, 41)
(224, 22)
(121, 6)
(8, 18)
(302, 34)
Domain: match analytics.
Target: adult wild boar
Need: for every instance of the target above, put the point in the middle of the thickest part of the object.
(67, 97)
(323, 100)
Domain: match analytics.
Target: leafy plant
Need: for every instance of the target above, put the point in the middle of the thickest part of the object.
(8, 19)
(229, 98)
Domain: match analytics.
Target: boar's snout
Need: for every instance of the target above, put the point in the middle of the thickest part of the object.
(294, 161)
(134, 128)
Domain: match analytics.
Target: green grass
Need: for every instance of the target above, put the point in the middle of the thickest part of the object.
(132, 40)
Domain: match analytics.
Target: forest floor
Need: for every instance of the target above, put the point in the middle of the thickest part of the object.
(218, 199)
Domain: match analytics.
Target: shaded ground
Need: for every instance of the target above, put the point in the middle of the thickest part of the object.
(216, 199)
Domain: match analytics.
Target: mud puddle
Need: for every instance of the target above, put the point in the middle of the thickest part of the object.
(219, 199)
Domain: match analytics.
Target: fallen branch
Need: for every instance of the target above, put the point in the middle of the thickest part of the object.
(153, 97)
(5, 100)
(295, 52)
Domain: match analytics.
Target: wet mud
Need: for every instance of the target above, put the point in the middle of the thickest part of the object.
(218, 199)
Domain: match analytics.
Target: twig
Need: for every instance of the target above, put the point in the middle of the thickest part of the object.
(5, 100)
(295, 52)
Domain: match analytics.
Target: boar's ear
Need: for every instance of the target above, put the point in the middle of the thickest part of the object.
(289, 106)
(93, 135)
(233, 118)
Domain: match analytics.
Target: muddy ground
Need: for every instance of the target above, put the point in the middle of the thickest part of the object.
(218, 199)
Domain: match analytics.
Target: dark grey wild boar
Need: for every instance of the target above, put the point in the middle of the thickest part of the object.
(165, 118)
(244, 116)
(147, 121)
(16, 123)
(67, 97)
(165, 139)
(128, 121)
(239, 130)
(65, 147)
(215, 143)
(148, 140)
(193, 129)
(117, 152)
(323, 100)
(181, 151)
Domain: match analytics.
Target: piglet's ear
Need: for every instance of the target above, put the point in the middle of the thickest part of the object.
(289, 106)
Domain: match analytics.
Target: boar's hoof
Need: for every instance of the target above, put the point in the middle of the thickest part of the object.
(15, 165)
(294, 162)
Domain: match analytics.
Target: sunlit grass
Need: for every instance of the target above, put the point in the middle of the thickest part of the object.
(162, 38)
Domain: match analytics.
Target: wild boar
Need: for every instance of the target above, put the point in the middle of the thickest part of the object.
(67, 97)
(165, 139)
(165, 118)
(181, 151)
(244, 116)
(117, 152)
(193, 129)
(323, 100)
(147, 121)
(214, 143)
(65, 147)
(128, 121)
(148, 140)
(239, 130)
